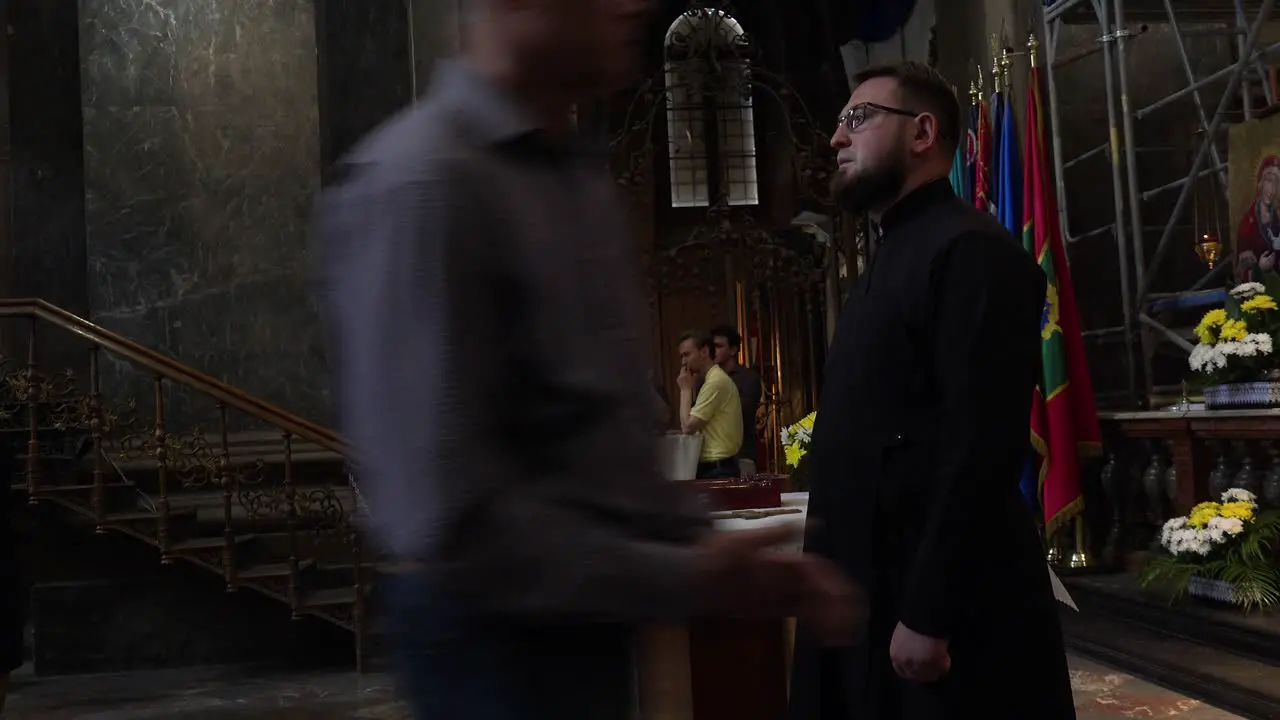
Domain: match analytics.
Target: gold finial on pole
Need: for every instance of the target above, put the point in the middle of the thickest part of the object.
(974, 94)
(1033, 48)
(981, 88)
(1006, 64)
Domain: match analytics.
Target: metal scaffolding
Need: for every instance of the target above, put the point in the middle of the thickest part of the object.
(1141, 332)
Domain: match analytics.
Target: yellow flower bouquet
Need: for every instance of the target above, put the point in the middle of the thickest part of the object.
(1221, 550)
(795, 439)
(1236, 343)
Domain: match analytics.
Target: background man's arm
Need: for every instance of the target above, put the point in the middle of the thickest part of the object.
(710, 401)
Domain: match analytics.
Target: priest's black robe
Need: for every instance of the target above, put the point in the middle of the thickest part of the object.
(921, 437)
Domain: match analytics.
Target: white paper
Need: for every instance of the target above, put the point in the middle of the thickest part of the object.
(1060, 591)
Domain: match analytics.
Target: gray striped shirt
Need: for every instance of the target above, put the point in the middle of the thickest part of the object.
(483, 303)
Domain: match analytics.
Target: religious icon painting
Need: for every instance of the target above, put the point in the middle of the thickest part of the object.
(1254, 192)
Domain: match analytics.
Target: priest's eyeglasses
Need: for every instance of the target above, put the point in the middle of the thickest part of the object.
(853, 118)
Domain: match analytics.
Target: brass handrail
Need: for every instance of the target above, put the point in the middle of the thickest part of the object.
(174, 371)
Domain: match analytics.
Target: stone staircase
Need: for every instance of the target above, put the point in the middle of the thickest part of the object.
(270, 508)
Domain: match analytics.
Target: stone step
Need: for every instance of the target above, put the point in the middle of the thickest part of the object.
(1244, 686)
(254, 446)
(1118, 595)
(205, 505)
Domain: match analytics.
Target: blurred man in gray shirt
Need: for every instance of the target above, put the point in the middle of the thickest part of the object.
(488, 346)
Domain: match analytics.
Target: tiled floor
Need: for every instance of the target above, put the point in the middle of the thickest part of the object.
(1104, 694)
(217, 694)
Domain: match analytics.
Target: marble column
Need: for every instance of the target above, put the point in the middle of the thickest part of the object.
(47, 256)
(202, 155)
(437, 34)
(6, 162)
(366, 71)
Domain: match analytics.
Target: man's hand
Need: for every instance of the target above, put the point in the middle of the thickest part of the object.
(743, 574)
(832, 607)
(686, 379)
(918, 658)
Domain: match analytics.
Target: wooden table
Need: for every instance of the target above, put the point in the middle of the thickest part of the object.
(715, 668)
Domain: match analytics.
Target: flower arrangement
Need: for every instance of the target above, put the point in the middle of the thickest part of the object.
(1237, 342)
(1227, 541)
(795, 439)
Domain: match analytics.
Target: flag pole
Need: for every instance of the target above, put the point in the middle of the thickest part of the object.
(1006, 66)
(1081, 559)
(995, 62)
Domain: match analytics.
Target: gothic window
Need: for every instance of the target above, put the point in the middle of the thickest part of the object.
(711, 143)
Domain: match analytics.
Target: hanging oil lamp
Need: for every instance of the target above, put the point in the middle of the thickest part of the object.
(1209, 248)
(1208, 240)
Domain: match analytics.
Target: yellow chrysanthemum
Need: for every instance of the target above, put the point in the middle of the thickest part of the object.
(1206, 331)
(1258, 303)
(1241, 510)
(807, 420)
(1201, 514)
(794, 453)
(1233, 330)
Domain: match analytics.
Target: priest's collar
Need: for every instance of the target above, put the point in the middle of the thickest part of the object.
(914, 202)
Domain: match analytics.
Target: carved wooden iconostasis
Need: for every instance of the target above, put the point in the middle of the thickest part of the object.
(726, 174)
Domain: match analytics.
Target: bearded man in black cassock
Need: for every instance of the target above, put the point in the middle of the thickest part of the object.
(922, 433)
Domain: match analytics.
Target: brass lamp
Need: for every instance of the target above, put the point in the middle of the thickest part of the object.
(1209, 248)
(1207, 231)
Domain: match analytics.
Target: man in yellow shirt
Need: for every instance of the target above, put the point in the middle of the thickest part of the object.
(717, 412)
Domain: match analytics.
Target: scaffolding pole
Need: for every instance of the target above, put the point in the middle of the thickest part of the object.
(1233, 85)
(1141, 331)
(1195, 95)
(1053, 25)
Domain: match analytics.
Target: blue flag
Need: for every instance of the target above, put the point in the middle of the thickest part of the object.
(1008, 191)
(960, 175)
(1009, 211)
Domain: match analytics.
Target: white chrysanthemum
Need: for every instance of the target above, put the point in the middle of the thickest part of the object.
(1239, 495)
(1262, 340)
(1206, 358)
(1219, 527)
(1247, 290)
(1196, 360)
(1252, 345)
(1171, 526)
(1192, 541)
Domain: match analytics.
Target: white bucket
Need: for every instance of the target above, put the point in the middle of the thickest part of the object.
(678, 456)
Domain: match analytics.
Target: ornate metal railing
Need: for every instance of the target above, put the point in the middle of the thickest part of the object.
(265, 500)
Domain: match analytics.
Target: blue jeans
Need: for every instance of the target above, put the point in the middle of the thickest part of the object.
(725, 469)
(452, 663)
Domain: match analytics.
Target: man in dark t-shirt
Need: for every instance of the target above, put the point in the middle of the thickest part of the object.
(728, 343)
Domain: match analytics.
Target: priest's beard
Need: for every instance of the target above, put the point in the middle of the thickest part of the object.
(872, 189)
